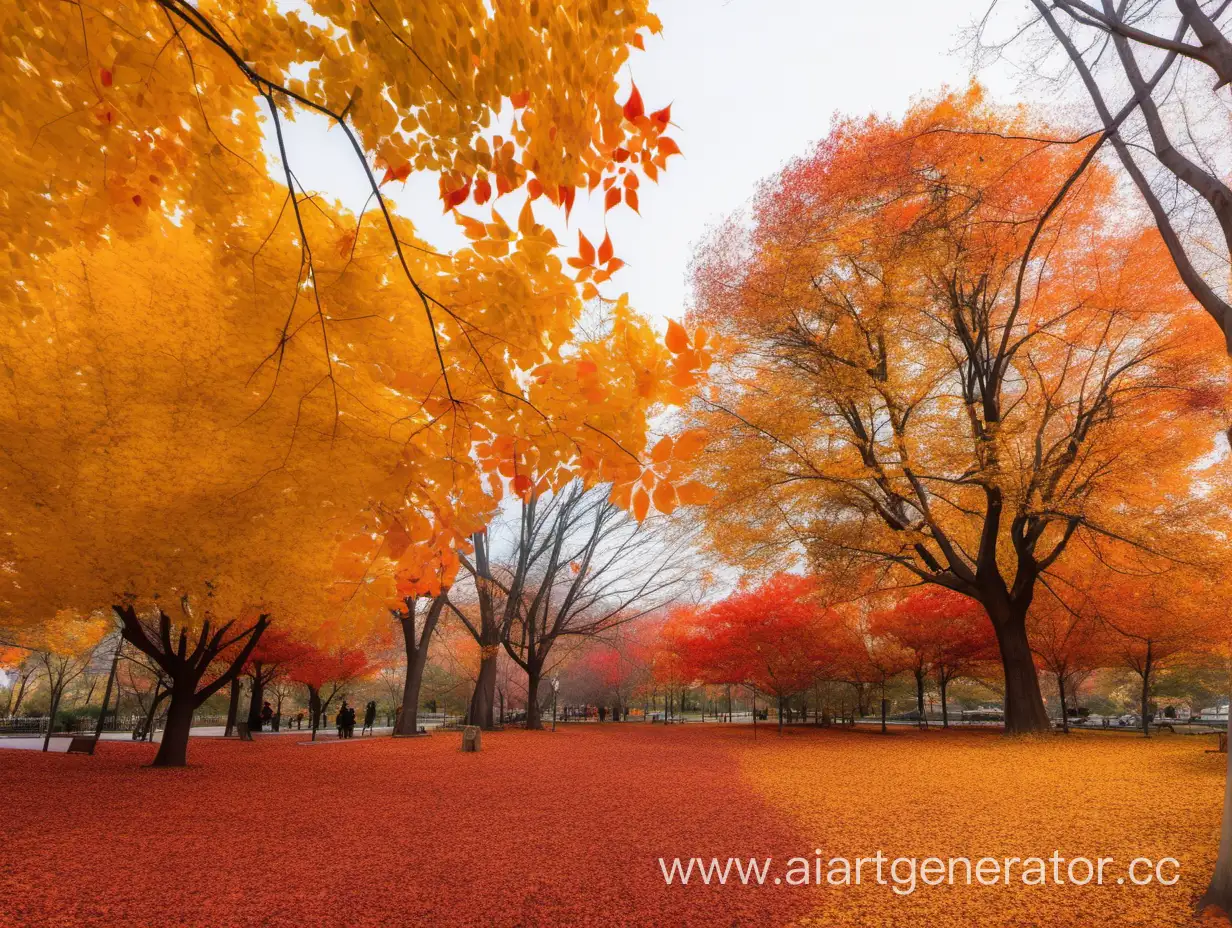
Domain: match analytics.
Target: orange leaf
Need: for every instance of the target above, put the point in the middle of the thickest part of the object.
(611, 199)
(637, 42)
(641, 504)
(520, 99)
(668, 146)
(634, 109)
(662, 450)
(534, 189)
(689, 443)
(566, 195)
(631, 199)
(677, 339)
(483, 191)
(605, 250)
(663, 116)
(104, 75)
(521, 484)
(695, 494)
(665, 497)
(621, 495)
(585, 249)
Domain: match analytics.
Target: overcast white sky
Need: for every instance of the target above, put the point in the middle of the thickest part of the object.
(752, 83)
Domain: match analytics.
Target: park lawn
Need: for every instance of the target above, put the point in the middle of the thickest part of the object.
(566, 829)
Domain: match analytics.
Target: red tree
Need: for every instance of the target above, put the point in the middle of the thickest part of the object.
(323, 674)
(773, 638)
(942, 633)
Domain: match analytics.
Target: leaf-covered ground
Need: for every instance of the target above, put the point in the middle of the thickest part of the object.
(566, 829)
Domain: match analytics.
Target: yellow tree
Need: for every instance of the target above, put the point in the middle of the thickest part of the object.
(930, 369)
(224, 388)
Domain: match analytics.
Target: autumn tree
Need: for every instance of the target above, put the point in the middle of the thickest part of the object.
(269, 661)
(1150, 70)
(19, 666)
(1068, 640)
(324, 673)
(772, 637)
(569, 564)
(63, 651)
(944, 635)
(326, 371)
(930, 371)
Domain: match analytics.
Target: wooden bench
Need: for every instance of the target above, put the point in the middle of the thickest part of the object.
(81, 745)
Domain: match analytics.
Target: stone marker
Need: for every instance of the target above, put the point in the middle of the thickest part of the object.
(470, 738)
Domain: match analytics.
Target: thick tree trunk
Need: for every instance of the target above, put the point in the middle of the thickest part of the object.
(408, 720)
(1146, 699)
(484, 697)
(173, 751)
(233, 708)
(534, 717)
(1219, 892)
(945, 713)
(780, 715)
(1024, 703)
(258, 696)
(1064, 707)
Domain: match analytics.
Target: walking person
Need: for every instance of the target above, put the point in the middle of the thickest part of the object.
(340, 719)
(369, 718)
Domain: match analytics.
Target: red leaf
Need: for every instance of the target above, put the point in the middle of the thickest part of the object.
(400, 173)
(605, 250)
(520, 99)
(585, 249)
(663, 116)
(483, 191)
(631, 199)
(612, 199)
(634, 109)
(456, 197)
(567, 194)
(637, 42)
(534, 189)
(104, 75)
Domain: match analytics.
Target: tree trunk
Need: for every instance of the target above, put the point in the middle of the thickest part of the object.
(1146, 692)
(1064, 707)
(416, 660)
(780, 715)
(233, 708)
(484, 697)
(942, 684)
(173, 751)
(254, 704)
(102, 715)
(51, 722)
(1219, 892)
(1024, 703)
(534, 718)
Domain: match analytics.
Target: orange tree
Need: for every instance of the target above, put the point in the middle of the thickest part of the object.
(929, 370)
(225, 391)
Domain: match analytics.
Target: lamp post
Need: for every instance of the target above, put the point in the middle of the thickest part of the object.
(555, 690)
